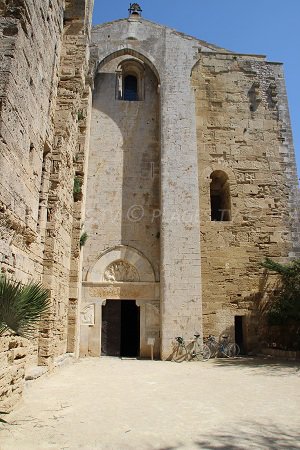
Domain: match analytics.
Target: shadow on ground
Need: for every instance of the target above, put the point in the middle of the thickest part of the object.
(248, 436)
(262, 365)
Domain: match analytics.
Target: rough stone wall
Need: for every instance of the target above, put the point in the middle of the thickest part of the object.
(61, 255)
(30, 49)
(45, 97)
(80, 166)
(243, 129)
(13, 352)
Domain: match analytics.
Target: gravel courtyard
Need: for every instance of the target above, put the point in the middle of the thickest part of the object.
(116, 404)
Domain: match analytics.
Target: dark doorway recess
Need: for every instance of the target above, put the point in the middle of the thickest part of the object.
(120, 328)
(239, 332)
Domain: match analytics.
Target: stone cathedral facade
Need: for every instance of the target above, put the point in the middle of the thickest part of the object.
(173, 155)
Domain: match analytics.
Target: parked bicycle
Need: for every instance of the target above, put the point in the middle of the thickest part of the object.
(226, 348)
(191, 351)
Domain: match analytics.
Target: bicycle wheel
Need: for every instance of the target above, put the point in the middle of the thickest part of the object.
(233, 350)
(206, 352)
(225, 350)
(180, 354)
(202, 354)
(214, 348)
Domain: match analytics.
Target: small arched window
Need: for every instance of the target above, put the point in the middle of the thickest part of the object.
(220, 201)
(130, 80)
(130, 88)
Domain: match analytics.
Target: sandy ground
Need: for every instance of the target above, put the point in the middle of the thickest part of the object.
(115, 404)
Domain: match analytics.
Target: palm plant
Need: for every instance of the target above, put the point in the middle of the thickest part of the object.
(21, 306)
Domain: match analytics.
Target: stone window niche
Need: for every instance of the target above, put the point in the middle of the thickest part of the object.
(130, 81)
(220, 201)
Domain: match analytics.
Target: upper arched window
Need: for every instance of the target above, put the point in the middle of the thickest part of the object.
(130, 81)
(130, 88)
(220, 201)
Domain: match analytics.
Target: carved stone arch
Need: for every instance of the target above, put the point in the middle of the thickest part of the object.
(121, 271)
(132, 65)
(145, 58)
(135, 266)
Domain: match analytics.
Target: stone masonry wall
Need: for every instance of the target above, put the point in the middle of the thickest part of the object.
(13, 352)
(242, 124)
(61, 255)
(45, 95)
(30, 50)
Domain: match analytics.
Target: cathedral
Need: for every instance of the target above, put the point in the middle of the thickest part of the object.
(145, 175)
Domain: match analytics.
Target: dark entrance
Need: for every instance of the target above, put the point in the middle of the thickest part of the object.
(120, 328)
(130, 88)
(239, 332)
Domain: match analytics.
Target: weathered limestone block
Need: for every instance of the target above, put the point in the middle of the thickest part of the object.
(13, 354)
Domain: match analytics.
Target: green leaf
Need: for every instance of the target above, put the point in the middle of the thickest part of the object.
(21, 306)
(77, 185)
(83, 239)
(285, 306)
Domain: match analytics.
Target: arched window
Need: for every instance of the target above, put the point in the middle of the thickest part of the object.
(130, 80)
(220, 202)
(130, 88)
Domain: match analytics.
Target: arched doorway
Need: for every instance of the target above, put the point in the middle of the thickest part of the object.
(120, 306)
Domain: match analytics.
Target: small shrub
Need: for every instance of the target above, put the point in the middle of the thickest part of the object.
(83, 239)
(286, 304)
(80, 115)
(77, 186)
(283, 308)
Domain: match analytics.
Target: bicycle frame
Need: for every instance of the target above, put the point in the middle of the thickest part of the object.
(224, 347)
(191, 351)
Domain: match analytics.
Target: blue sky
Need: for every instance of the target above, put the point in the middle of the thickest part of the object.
(268, 27)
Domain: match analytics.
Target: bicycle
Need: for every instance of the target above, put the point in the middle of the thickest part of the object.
(228, 349)
(192, 351)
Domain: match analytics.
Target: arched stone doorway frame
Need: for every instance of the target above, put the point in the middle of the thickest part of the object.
(96, 291)
(133, 256)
